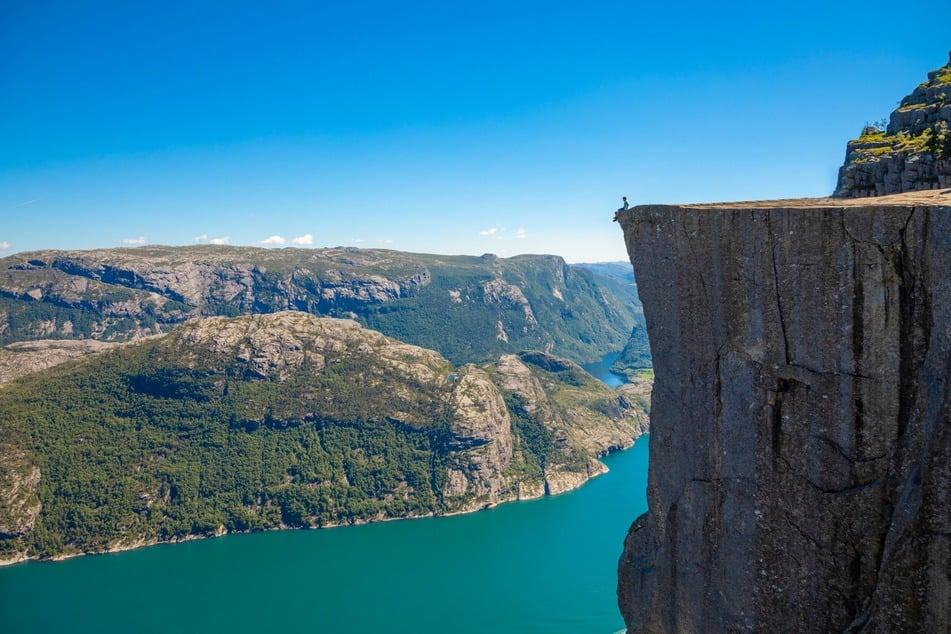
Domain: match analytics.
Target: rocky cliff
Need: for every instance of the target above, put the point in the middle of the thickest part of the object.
(801, 417)
(912, 153)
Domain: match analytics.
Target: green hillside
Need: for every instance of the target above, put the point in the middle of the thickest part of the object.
(471, 309)
(280, 421)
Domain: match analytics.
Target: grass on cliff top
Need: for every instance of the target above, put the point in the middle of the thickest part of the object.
(932, 140)
(872, 137)
(908, 107)
(943, 76)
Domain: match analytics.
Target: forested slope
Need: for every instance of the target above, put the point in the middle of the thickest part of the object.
(285, 420)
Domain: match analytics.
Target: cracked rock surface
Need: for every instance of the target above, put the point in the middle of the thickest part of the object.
(800, 435)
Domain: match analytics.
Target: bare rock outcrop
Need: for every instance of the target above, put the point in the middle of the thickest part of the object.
(912, 153)
(222, 276)
(801, 417)
(498, 291)
(20, 359)
(582, 419)
(482, 441)
(276, 346)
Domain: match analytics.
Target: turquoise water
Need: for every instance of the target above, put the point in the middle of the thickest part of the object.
(602, 370)
(544, 565)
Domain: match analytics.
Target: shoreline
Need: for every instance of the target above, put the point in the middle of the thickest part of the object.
(221, 531)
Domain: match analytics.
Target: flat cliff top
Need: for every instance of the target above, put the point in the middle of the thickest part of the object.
(931, 198)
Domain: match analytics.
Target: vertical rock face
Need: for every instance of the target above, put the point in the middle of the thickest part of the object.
(800, 475)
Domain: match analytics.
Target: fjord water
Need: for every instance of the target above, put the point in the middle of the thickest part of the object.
(602, 370)
(545, 565)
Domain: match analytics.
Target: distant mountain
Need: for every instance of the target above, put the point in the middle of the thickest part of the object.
(470, 309)
(635, 358)
(621, 270)
(285, 420)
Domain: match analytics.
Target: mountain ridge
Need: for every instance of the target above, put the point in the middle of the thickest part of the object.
(470, 308)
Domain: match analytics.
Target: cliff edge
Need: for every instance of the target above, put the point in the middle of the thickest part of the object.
(801, 417)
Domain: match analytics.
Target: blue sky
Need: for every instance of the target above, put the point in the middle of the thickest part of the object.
(441, 127)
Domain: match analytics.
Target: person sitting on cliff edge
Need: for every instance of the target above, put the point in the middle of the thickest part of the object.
(623, 207)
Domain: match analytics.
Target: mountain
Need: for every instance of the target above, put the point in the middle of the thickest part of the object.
(634, 360)
(620, 271)
(286, 420)
(912, 153)
(470, 309)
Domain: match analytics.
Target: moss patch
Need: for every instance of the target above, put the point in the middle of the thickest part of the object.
(943, 78)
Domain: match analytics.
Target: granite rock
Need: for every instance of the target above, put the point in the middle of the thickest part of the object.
(912, 153)
(800, 418)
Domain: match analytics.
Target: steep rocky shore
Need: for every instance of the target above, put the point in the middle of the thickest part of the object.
(284, 420)
(801, 417)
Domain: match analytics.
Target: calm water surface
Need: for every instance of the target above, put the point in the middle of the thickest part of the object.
(602, 370)
(544, 565)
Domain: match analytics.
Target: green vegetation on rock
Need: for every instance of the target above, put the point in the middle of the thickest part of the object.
(913, 153)
(281, 420)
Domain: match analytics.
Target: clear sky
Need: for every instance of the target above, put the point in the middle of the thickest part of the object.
(441, 127)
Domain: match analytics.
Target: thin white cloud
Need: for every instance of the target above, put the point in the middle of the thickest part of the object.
(224, 240)
(134, 241)
(4, 245)
(489, 232)
(359, 240)
(303, 240)
(273, 240)
(202, 238)
(383, 241)
(24, 204)
(520, 233)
